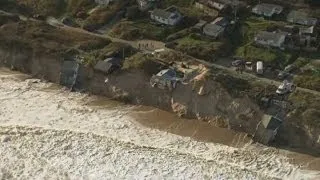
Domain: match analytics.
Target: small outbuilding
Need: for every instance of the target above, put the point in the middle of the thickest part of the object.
(267, 129)
(199, 26)
(109, 65)
(213, 30)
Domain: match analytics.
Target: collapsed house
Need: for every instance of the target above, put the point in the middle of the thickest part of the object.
(70, 73)
(267, 129)
(166, 79)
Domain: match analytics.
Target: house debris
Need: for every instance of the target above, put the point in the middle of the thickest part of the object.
(267, 10)
(165, 79)
(270, 39)
(170, 16)
(267, 129)
(109, 65)
(298, 17)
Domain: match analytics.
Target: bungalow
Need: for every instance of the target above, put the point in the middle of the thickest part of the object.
(213, 30)
(170, 16)
(267, 129)
(301, 18)
(109, 65)
(270, 39)
(267, 10)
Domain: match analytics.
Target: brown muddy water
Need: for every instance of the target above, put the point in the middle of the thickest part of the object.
(201, 131)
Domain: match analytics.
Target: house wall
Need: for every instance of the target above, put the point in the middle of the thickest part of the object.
(160, 19)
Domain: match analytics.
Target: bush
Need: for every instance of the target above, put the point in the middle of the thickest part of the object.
(309, 82)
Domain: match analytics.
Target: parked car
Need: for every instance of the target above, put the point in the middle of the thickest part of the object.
(238, 63)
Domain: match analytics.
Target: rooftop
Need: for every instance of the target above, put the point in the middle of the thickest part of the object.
(213, 29)
(161, 13)
(270, 122)
(200, 24)
(267, 9)
(264, 35)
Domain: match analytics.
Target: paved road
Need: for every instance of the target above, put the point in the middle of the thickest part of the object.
(247, 76)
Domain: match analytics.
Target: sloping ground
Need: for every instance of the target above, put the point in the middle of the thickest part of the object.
(36, 48)
(39, 35)
(47, 132)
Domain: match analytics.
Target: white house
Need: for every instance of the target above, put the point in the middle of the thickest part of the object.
(170, 16)
(267, 10)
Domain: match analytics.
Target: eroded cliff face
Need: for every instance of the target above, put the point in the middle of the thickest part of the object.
(204, 100)
(215, 104)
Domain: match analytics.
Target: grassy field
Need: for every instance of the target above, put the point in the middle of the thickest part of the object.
(142, 62)
(130, 30)
(44, 7)
(40, 36)
(202, 47)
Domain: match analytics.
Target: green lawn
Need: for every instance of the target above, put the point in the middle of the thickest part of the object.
(202, 48)
(250, 52)
(250, 28)
(132, 30)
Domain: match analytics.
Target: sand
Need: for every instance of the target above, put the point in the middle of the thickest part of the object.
(47, 132)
